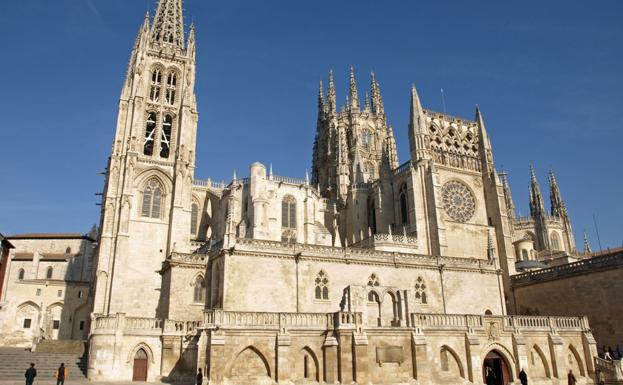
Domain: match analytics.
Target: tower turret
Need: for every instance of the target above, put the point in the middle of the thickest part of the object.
(168, 25)
(418, 136)
(352, 92)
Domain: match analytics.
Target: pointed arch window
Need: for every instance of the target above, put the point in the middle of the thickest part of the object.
(171, 88)
(366, 139)
(21, 274)
(372, 215)
(152, 200)
(420, 291)
(288, 212)
(200, 289)
(322, 285)
(555, 241)
(156, 84)
(165, 140)
(150, 131)
(49, 272)
(194, 214)
(404, 205)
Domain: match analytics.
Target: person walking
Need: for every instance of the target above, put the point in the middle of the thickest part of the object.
(611, 352)
(490, 376)
(30, 374)
(571, 378)
(199, 377)
(523, 377)
(607, 355)
(61, 374)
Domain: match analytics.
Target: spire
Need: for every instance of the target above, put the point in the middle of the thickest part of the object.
(537, 208)
(320, 98)
(331, 93)
(367, 102)
(485, 145)
(375, 91)
(417, 128)
(558, 208)
(168, 25)
(510, 206)
(587, 245)
(354, 97)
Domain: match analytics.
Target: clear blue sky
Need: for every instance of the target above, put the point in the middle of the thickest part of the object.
(546, 74)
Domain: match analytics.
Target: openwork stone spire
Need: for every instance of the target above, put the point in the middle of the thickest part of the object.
(168, 25)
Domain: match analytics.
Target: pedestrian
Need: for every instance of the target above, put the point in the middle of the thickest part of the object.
(61, 374)
(490, 376)
(199, 377)
(30, 374)
(523, 377)
(611, 352)
(619, 354)
(607, 355)
(604, 351)
(571, 378)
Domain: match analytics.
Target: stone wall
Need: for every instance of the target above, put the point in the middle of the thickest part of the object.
(590, 287)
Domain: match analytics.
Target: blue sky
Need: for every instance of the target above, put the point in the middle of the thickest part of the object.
(547, 76)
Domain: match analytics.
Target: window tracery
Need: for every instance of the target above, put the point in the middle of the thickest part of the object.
(455, 147)
(458, 201)
(322, 285)
(150, 132)
(366, 138)
(555, 241)
(288, 212)
(420, 291)
(374, 280)
(152, 199)
(194, 214)
(156, 84)
(199, 292)
(171, 88)
(404, 204)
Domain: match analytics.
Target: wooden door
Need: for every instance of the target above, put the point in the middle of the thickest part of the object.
(140, 366)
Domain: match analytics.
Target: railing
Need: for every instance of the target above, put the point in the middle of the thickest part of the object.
(209, 184)
(402, 168)
(583, 266)
(139, 323)
(277, 321)
(289, 180)
(611, 370)
(466, 321)
(456, 119)
(380, 239)
(105, 322)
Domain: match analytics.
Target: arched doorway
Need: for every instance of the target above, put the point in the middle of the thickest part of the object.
(140, 366)
(495, 369)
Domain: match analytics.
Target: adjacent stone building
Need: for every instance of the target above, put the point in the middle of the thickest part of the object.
(48, 292)
(367, 271)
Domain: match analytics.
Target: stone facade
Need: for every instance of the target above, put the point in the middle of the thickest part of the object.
(48, 292)
(368, 271)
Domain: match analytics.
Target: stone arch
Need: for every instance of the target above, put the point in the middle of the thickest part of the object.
(139, 346)
(504, 354)
(249, 363)
(389, 309)
(373, 307)
(533, 363)
(450, 361)
(577, 364)
(27, 310)
(311, 367)
(152, 172)
(80, 314)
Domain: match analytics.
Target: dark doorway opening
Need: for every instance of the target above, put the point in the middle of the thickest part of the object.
(139, 372)
(495, 369)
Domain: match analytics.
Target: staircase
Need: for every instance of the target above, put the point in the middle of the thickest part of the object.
(612, 371)
(15, 361)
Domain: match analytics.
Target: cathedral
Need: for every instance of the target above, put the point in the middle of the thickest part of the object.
(366, 271)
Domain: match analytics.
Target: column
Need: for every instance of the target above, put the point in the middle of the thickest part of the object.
(282, 371)
(330, 360)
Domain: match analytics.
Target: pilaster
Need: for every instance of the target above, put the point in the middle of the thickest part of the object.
(331, 367)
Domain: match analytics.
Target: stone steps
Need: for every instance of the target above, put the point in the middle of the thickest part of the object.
(15, 361)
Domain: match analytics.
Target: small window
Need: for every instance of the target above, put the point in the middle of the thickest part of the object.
(373, 280)
(79, 293)
(27, 323)
(56, 324)
(165, 140)
(49, 272)
(199, 293)
(20, 274)
(81, 325)
(524, 254)
(420, 291)
(322, 282)
(59, 293)
(152, 199)
(38, 292)
(171, 86)
(68, 250)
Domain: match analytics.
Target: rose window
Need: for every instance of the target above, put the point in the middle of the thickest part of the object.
(458, 201)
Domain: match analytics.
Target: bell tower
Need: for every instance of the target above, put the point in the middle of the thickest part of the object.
(146, 202)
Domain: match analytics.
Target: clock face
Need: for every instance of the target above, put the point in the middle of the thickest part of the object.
(458, 201)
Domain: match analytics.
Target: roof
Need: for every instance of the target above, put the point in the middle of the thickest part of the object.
(6, 242)
(51, 236)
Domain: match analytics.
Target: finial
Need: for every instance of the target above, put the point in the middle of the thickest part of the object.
(234, 176)
(367, 102)
(306, 177)
(587, 245)
(331, 92)
(354, 97)
(270, 171)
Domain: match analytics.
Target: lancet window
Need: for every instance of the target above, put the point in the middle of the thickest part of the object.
(20, 275)
(171, 88)
(404, 204)
(152, 199)
(555, 241)
(366, 138)
(199, 292)
(322, 285)
(194, 214)
(49, 272)
(156, 84)
(288, 212)
(165, 139)
(150, 132)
